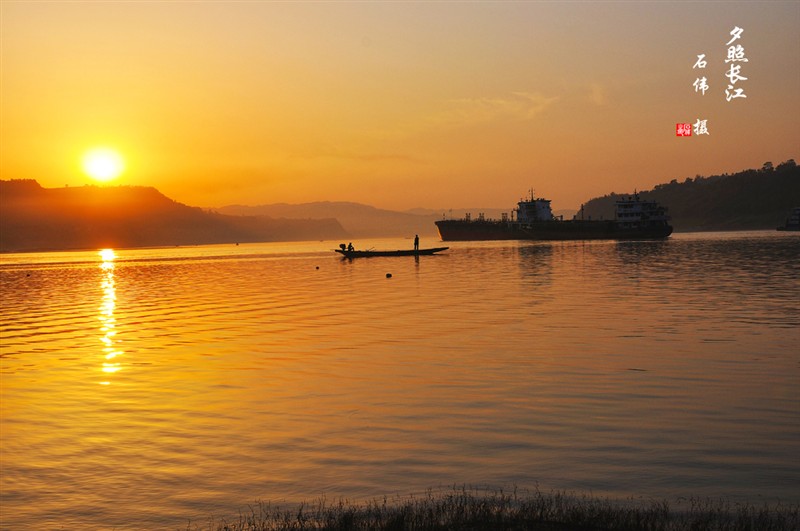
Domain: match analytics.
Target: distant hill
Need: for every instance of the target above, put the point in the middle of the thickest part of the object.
(364, 221)
(89, 217)
(360, 221)
(748, 200)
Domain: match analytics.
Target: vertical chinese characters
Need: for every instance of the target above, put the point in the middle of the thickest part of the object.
(735, 57)
(701, 83)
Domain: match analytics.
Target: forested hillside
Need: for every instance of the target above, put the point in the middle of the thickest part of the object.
(751, 199)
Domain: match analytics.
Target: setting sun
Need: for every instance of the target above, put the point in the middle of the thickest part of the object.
(103, 164)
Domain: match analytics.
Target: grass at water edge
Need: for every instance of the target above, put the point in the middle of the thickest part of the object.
(472, 509)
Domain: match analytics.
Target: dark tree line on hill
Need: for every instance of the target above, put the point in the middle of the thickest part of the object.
(747, 200)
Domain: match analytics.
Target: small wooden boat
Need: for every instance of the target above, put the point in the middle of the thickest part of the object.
(402, 252)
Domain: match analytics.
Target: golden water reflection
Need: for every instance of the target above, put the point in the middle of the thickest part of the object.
(107, 320)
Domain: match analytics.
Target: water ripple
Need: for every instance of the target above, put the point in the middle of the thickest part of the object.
(181, 383)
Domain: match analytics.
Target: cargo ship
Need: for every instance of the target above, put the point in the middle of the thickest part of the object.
(533, 219)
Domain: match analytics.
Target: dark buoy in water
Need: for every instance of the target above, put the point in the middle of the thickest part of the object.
(388, 275)
(317, 267)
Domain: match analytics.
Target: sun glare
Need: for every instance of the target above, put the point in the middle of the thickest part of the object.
(103, 164)
(107, 255)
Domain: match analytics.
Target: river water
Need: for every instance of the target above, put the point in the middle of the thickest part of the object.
(144, 389)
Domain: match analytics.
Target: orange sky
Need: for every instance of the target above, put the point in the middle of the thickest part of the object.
(398, 105)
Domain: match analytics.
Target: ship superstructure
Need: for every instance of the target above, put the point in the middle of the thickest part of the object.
(793, 221)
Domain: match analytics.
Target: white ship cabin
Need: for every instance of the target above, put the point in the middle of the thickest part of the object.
(531, 209)
(633, 212)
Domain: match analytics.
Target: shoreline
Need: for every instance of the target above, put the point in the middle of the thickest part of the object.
(518, 509)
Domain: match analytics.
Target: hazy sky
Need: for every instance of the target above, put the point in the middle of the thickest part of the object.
(395, 104)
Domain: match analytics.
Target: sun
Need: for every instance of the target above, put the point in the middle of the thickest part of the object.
(103, 164)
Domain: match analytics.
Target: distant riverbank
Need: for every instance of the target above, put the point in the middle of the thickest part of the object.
(465, 508)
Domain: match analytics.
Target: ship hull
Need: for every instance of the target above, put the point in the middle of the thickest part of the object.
(463, 230)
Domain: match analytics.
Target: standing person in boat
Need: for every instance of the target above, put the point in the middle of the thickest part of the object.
(350, 246)
(416, 242)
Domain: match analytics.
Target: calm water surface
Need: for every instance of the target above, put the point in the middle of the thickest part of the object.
(167, 385)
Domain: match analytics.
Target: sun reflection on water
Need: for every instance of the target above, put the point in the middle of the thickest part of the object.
(107, 320)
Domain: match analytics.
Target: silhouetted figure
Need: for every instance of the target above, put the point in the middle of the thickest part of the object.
(416, 242)
(350, 246)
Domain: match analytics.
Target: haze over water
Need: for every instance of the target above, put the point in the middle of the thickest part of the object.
(162, 385)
